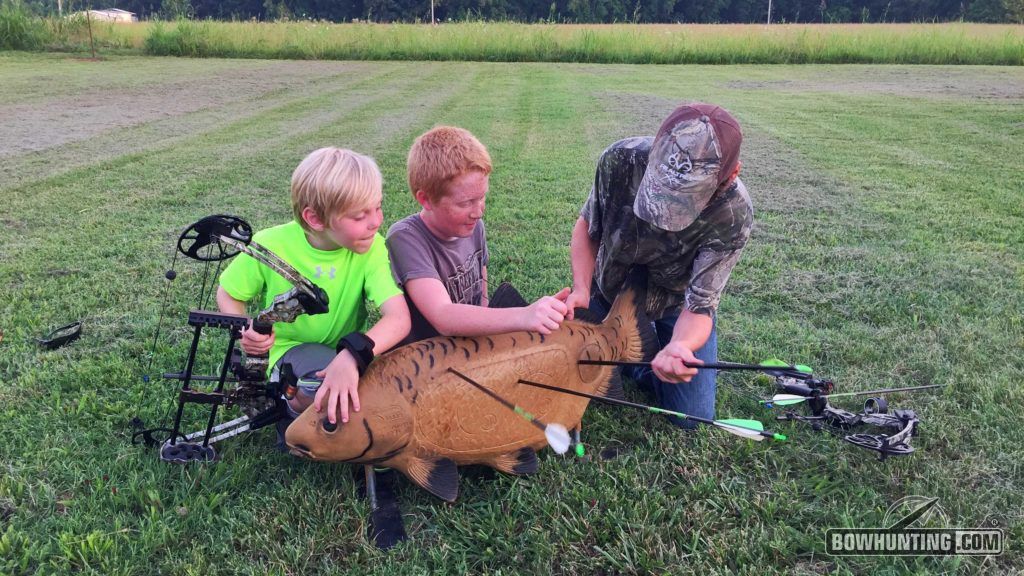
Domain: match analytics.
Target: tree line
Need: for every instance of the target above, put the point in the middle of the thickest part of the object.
(571, 11)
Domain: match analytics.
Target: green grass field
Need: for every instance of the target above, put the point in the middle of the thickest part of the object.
(887, 251)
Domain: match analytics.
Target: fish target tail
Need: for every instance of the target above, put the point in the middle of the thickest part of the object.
(639, 341)
(506, 296)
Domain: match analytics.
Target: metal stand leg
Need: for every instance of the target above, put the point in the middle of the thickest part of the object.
(386, 528)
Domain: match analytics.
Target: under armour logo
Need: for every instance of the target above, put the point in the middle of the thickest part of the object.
(320, 272)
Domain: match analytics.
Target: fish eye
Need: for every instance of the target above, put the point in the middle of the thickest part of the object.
(329, 426)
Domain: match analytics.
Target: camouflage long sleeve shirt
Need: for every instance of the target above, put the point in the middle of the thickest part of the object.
(688, 268)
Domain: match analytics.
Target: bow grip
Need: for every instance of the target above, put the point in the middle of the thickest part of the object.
(262, 327)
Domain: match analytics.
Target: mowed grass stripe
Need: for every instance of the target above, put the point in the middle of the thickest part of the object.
(277, 137)
(162, 132)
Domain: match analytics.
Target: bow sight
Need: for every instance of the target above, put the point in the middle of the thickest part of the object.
(215, 239)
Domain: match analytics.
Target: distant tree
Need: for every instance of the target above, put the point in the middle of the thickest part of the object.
(996, 11)
(174, 9)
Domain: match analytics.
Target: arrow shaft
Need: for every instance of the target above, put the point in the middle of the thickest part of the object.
(786, 370)
(884, 391)
(706, 366)
(625, 403)
(529, 417)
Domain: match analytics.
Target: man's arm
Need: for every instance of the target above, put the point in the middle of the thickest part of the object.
(451, 319)
(583, 258)
(691, 331)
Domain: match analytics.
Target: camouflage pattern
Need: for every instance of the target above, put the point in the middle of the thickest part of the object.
(682, 175)
(686, 268)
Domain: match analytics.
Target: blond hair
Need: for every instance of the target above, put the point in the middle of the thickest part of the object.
(333, 181)
(440, 155)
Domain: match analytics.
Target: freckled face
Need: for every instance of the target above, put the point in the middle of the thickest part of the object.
(455, 215)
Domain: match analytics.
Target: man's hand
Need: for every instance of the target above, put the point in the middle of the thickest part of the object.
(546, 314)
(341, 382)
(668, 364)
(578, 298)
(254, 343)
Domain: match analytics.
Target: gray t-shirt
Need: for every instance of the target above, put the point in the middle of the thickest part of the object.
(416, 253)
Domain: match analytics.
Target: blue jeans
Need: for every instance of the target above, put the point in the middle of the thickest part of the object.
(696, 397)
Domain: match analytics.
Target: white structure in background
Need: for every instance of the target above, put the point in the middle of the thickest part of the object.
(112, 15)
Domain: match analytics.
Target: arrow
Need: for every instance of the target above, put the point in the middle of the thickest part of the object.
(556, 434)
(790, 399)
(773, 366)
(750, 429)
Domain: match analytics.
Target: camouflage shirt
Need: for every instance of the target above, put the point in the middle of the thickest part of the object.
(685, 268)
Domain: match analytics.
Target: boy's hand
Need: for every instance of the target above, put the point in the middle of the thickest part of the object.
(254, 343)
(576, 299)
(546, 314)
(668, 364)
(341, 382)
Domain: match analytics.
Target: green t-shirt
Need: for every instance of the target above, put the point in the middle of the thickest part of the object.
(348, 278)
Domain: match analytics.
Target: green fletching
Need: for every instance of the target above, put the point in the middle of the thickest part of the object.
(774, 363)
(778, 436)
(750, 424)
(804, 368)
(580, 451)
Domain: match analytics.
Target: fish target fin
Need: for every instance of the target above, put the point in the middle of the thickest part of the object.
(507, 297)
(639, 341)
(586, 316)
(440, 476)
(613, 387)
(522, 461)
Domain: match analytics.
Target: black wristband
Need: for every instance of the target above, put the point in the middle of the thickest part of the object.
(360, 346)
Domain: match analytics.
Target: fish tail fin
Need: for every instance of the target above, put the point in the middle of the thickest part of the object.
(637, 339)
(613, 387)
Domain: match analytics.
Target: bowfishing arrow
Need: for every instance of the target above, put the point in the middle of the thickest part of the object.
(556, 434)
(772, 367)
(750, 429)
(790, 399)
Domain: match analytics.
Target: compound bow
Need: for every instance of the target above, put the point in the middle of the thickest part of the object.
(900, 426)
(215, 239)
(797, 384)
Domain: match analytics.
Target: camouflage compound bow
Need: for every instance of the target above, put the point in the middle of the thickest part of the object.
(215, 239)
(796, 384)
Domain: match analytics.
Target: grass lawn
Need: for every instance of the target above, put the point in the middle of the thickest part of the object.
(887, 251)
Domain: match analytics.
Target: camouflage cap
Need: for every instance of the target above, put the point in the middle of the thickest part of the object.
(696, 150)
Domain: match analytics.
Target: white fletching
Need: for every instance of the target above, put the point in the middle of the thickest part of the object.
(744, 432)
(558, 438)
(787, 399)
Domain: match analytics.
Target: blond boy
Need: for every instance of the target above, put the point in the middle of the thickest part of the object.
(336, 199)
(439, 255)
